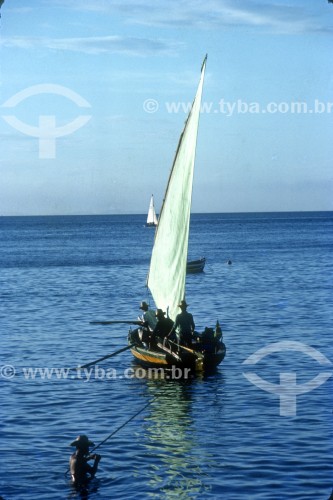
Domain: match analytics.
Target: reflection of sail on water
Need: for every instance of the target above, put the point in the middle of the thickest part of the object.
(171, 440)
(166, 279)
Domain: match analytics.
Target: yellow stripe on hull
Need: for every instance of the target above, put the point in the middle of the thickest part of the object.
(148, 358)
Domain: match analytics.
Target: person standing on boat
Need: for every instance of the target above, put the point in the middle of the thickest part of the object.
(185, 325)
(162, 328)
(148, 317)
(81, 471)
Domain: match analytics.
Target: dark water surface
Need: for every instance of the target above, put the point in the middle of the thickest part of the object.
(217, 436)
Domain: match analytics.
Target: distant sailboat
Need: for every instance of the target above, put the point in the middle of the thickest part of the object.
(151, 218)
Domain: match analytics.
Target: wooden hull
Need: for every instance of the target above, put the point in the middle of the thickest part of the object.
(195, 266)
(167, 359)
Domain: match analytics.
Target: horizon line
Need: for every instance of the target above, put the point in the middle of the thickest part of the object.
(145, 215)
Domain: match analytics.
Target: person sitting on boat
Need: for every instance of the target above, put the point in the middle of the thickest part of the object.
(148, 318)
(185, 325)
(81, 471)
(162, 328)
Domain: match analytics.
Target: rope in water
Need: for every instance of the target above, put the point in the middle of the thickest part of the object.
(119, 428)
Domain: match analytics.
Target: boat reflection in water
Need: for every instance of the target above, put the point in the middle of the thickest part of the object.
(170, 440)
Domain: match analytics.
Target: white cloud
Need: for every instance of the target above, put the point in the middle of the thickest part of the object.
(283, 17)
(96, 45)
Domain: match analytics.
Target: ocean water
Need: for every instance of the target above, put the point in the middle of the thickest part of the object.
(214, 436)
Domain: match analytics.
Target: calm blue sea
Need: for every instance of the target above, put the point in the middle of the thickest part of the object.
(219, 436)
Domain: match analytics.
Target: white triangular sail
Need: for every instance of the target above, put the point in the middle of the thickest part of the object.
(166, 278)
(151, 218)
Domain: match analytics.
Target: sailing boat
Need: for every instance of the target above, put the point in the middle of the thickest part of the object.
(151, 217)
(167, 272)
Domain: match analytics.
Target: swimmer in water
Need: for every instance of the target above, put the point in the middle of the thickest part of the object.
(81, 471)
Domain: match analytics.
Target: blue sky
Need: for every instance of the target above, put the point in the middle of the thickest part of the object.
(116, 56)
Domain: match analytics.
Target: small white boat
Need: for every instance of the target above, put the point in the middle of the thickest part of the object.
(151, 218)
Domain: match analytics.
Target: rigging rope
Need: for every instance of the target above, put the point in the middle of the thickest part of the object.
(118, 429)
(123, 425)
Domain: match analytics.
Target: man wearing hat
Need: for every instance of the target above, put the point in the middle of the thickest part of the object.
(148, 317)
(80, 470)
(162, 328)
(185, 325)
